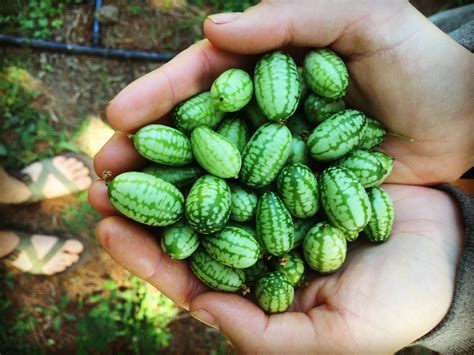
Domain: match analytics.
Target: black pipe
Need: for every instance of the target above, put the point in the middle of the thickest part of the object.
(96, 26)
(74, 48)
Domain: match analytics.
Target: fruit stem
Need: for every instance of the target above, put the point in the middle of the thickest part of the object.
(401, 136)
(106, 175)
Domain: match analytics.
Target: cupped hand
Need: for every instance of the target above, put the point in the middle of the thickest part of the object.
(382, 299)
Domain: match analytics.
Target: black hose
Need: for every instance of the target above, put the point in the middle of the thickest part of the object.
(96, 26)
(74, 48)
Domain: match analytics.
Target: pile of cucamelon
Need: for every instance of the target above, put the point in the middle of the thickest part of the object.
(263, 180)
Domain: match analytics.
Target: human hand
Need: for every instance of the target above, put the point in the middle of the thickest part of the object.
(382, 299)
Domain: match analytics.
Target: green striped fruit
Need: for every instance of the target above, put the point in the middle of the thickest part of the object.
(197, 111)
(304, 88)
(214, 274)
(146, 199)
(325, 73)
(244, 203)
(232, 246)
(215, 153)
(351, 235)
(232, 90)
(208, 204)
(317, 108)
(364, 165)
(255, 272)
(277, 86)
(344, 199)
(265, 154)
(299, 152)
(179, 241)
(164, 145)
(380, 225)
(302, 227)
(298, 125)
(274, 224)
(292, 265)
(325, 248)
(274, 292)
(387, 163)
(337, 135)
(373, 136)
(236, 131)
(255, 115)
(298, 187)
(180, 177)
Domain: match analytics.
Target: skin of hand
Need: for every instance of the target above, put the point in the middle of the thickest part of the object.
(386, 296)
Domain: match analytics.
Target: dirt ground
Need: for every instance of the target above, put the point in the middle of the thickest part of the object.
(77, 86)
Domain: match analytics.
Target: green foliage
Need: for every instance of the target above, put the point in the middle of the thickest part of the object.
(80, 218)
(226, 5)
(135, 317)
(26, 134)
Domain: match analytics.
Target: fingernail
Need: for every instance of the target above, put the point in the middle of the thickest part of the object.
(205, 317)
(226, 17)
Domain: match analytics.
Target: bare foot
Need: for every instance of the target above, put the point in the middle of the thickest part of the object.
(39, 246)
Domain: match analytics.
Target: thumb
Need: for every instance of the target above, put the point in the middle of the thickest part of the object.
(304, 23)
(249, 329)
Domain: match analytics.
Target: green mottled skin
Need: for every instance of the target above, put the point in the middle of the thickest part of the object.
(164, 145)
(274, 292)
(298, 125)
(277, 86)
(351, 235)
(255, 272)
(274, 224)
(146, 199)
(337, 135)
(236, 131)
(344, 199)
(373, 136)
(387, 163)
(298, 188)
(179, 241)
(292, 265)
(256, 117)
(325, 248)
(180, 177)
(380, 225)
(208, 204)
(215, 153)
(304, 88)
(232, 246)
(364, 165)
(214, 274)
(317, 108)
(299, 152)
(326, 74)
(249, 227)
(265, 154)
(302, 226)
(244, 203)
(197, 111)
(232, 90)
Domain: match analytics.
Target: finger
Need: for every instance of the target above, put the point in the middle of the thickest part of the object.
(117, 156)
(153, 95)
(249, 328)
(137, 250)
(99, 199)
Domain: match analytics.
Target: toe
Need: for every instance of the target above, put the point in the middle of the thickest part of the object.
(84, 182)
(73, 246)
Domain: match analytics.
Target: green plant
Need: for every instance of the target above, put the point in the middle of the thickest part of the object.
(80, 218)
(226, 5)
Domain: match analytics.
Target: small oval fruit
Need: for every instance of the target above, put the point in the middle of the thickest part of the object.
(298, 187)
(255, 272)
(351, 235)
(244, 203)
(232, 247)
(364, 165)
(325, 248)
(291, 264)
(236, 131)
(277, 85)
(164, 145)
(146, 199)
(380, 225)
(232, 90)
(179, 176)
(214, 274)
(298, 125)
(387, 163)
(197, 111)
(179, 241)
(208, 204)
(274, 224)
(299, 152)
(344, 199)
(274, 292)
(215, 153)
(256, 117)
(317, 108)
(302, 226)
(325, 73)
(373, 136)
(337, 135)
(265, 154)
